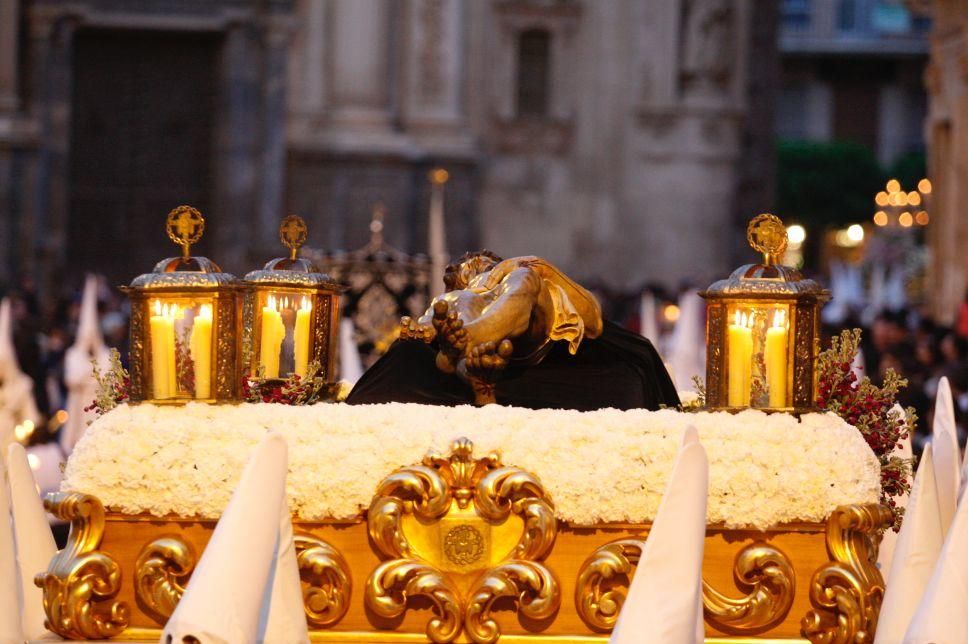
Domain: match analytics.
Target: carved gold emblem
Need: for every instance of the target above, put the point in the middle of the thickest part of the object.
(185, 226)
(762, 571)
(293, 234)
(404, 523)
(767, 234)
(847, 591)
(81, 582)
(464, 545)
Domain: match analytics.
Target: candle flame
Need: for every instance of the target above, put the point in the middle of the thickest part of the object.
(271, 302)
(307, 304)
(779, 319)
(205, 311)
(158, 309)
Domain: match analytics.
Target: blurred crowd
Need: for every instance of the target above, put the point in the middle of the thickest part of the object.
(907, 340)
(44, 328)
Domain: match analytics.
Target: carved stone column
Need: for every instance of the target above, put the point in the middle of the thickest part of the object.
(9, 55)
(359, 86)
(434, 63)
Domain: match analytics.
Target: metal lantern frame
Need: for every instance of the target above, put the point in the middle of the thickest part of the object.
(764, 289)
(297, 278)
(174, 281)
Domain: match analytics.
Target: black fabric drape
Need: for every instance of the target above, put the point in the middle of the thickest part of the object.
(619, 369)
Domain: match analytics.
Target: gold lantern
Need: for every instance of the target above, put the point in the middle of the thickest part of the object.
(763, 330)
(183, 314)
(290, 315)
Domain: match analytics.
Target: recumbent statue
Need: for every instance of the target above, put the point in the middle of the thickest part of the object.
(517, 332)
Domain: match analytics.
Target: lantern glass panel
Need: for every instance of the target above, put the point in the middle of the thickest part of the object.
(181, 347)
(285, 332)
(759, 354)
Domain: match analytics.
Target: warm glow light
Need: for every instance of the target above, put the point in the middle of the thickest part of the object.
(922, 218)
(924, 186)
(893, 185)
(34, 461)
(898, 199)
(796, 234)
(158, 310)
(61, 416)
(882, 198)
(307, 304)
(23, 431)
(905, 219)
(849, 237)
(205, 311)
(914, 198)
(779, 319)
(671, 313)
(880, 218)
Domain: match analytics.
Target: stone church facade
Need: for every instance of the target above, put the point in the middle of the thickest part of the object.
(624, 140)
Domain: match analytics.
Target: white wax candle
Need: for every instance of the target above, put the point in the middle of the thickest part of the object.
(302, 338)
(201, 347)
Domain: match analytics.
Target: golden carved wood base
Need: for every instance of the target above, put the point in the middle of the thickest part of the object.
(464, 549)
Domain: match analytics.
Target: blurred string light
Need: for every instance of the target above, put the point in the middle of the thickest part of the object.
(895, 206)
(850, 237)
(796, 235)
(23, 431)
(671, 313)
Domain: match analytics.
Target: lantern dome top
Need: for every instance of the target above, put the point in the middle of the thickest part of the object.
(185, 226)
(769, 279)
(292, 270)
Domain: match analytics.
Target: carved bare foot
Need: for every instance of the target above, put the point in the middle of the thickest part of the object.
(489, 356)
(451, 334)
(481, 367)
(411, 329)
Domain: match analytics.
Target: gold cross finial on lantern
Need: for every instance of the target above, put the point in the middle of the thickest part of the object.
(185, 226)
(293, 234)
(767, 234)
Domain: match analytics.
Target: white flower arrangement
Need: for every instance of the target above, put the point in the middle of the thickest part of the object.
(599, 467)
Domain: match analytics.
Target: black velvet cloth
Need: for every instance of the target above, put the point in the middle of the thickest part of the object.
(619, 369)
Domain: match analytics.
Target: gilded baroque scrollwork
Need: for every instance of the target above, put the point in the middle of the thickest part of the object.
(226, 378)
(326, 596)
(81, 583)
(394, 582)
(137, 349)
(847, 591)
(761, 570)
(468, 502)
(161, 574)
(768, 578)
(598, 599)
(531, 584)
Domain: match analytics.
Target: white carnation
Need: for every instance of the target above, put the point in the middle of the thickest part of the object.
(599, 467)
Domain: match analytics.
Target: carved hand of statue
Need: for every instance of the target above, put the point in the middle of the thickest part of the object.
(411, 329)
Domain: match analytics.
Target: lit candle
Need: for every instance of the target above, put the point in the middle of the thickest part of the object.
(301, 337)
(162, 351)
(777, 360)
(740, 360)
(273, 333)
(173, 313)
(201, 347)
